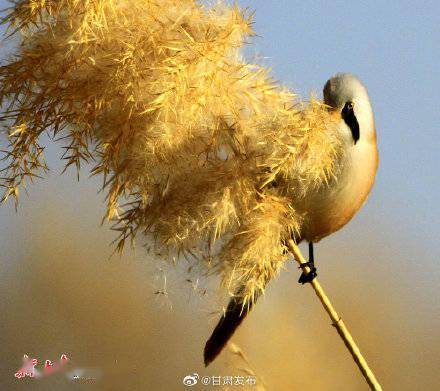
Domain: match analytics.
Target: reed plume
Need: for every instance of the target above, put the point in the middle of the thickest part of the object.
(201, 152)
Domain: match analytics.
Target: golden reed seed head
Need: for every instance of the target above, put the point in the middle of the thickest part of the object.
(189, 137)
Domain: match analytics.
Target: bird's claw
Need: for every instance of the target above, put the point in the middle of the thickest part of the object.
(307, 276)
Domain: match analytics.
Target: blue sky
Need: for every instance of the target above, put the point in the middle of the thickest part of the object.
(394, 48)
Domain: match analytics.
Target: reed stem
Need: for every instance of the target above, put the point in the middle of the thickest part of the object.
(337, 322)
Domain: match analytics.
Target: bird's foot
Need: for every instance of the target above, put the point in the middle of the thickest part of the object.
(307, 276)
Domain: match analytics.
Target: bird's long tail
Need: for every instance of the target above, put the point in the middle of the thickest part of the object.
(232, 318)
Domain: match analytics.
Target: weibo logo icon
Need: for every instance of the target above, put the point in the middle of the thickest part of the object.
(191, 380)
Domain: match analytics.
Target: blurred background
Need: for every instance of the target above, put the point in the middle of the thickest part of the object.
(142, 325)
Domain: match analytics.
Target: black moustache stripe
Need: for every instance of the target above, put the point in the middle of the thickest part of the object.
(351, 121)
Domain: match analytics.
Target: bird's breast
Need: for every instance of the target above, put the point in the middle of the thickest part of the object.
(331, 206)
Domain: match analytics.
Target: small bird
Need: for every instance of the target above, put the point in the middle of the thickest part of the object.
(327, 208)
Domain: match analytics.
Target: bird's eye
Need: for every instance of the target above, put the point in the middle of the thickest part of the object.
(350, 119)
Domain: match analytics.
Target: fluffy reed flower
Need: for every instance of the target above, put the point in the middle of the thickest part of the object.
(199, 150)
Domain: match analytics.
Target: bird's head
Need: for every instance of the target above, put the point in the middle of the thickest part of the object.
(347, 96)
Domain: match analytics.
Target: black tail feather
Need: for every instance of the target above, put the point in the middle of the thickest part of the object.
(234, 315)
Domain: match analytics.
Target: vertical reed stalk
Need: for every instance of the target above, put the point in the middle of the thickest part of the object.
(338, 323)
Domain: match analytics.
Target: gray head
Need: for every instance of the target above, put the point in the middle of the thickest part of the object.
(346, 94)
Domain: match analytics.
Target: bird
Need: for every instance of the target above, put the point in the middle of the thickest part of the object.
(330, 206)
